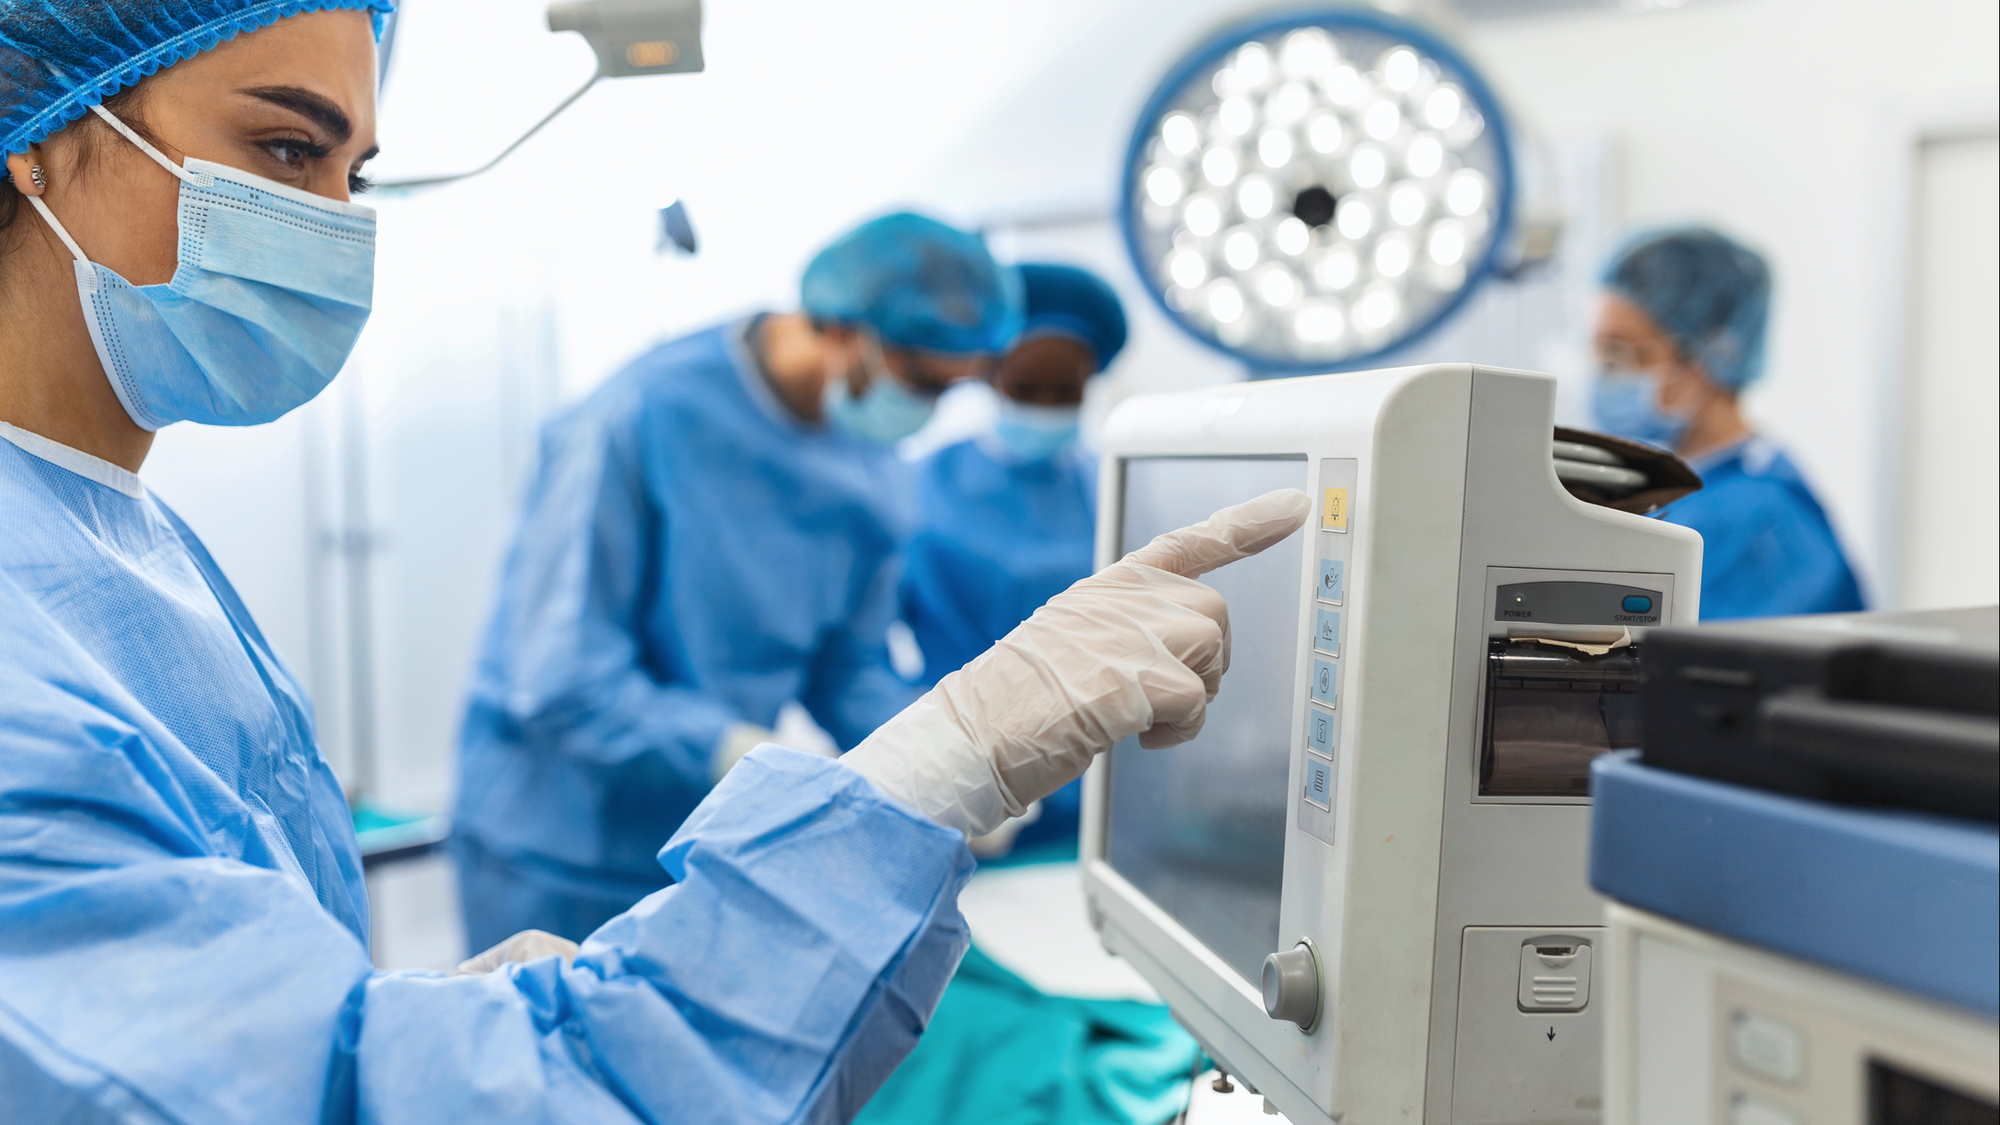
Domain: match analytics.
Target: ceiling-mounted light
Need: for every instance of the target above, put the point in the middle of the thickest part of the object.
(631, 38)
(1312, 191)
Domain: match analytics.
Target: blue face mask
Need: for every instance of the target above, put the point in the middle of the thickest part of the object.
(1627, 403)
(885, 413)
(270, 292)
(1036, 433)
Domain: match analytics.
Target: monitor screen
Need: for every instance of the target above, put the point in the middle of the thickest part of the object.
(1200, 828)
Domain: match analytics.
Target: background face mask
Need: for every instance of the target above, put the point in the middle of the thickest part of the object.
(1626, 403)
(1036, 433)
(271, 290)
(887, 412)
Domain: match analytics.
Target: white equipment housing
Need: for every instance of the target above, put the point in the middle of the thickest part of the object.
(1381, 833)
(1732, 1034)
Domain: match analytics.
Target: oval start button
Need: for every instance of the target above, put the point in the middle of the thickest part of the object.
(1636, 604)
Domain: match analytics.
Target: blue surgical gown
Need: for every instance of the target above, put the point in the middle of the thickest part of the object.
(996, 538)
(1767, 548)
(690, 556)
(183, 927)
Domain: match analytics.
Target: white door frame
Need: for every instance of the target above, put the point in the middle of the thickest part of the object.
(1899, 135)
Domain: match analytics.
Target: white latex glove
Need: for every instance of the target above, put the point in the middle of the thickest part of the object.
(738, 739)
(1137, 648)
(1000, 841)
(528, 945)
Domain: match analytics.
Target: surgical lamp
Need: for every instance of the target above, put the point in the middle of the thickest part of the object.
(1313, 191)
(631, 38)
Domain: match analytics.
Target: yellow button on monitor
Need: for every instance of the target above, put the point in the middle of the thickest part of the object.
(1333, 511)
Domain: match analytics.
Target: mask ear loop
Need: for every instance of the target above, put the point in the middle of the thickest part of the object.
(49, 217)
(198, 179)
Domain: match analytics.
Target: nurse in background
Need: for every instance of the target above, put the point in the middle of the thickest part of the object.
(1680, 334)
(1009, 518)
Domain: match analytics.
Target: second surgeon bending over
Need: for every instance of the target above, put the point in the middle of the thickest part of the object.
(710, 535)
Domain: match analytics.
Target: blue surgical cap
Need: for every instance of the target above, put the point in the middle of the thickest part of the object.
(1706, 291)
(60, 57)
(1072, 302)
(918, 283)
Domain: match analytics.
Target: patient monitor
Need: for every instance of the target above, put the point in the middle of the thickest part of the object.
(1362, 886)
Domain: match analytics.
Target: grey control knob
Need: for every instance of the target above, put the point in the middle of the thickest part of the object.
(1291, 985)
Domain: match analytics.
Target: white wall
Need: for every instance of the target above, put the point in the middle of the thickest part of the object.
(1950, 517)
(1766, 116)
(501, 297)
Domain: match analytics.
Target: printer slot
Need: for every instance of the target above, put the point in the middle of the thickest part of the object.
(1550, 709)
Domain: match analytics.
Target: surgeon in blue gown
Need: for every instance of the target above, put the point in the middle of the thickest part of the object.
(1008, 519)
(183, 919)
(710, 535)
(1680, 333)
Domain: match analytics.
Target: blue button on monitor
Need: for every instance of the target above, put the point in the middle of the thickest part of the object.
(1326, 682)
(1319, 782)
(1332, 574)
(1326, 632)
(1637, 604)
(1319, 730)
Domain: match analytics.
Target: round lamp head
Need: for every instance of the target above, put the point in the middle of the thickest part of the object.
(1311, 192)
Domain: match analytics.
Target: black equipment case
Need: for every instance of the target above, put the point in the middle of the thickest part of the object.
(1900, 710)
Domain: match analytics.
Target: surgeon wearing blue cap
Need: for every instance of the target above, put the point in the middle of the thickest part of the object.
(709, 536)
(1009, 518)
(1680, 334)
(184, 925)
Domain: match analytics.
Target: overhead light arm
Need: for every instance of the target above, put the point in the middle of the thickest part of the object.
(631, 38)
(431, 181)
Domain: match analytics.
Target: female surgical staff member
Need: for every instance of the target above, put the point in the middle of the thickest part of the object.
(1008, 519)
(183, 922)
(1680, 334)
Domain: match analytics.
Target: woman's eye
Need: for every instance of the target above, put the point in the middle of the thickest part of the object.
(358, 184)
(291, 153)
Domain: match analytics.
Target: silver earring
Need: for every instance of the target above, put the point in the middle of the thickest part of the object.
(35, 174)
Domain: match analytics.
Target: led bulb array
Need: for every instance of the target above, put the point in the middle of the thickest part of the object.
(1317, 191)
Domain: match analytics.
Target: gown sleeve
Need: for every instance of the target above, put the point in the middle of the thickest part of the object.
(149, 973)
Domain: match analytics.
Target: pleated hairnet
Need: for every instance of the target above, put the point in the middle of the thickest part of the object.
(1067, 301)
(60, 57)
(918, 283)
(1708, 292)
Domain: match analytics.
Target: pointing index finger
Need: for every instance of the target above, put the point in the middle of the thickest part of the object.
(1233, 533)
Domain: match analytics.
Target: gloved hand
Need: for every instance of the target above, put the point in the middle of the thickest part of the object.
(528, 945)
(737, 740)
(1137, 648)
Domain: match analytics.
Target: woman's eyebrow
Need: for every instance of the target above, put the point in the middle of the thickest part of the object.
(305, 103)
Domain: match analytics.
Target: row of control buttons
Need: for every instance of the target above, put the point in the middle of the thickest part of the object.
(1322, 726)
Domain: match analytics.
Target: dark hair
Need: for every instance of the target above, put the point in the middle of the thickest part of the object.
(89, 131)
